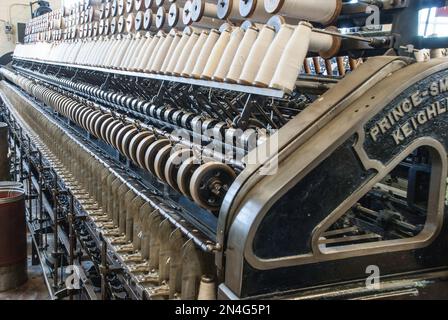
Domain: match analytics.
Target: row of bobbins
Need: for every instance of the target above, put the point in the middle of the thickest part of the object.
(205, 180)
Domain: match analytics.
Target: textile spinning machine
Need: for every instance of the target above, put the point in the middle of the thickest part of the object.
(232, 149)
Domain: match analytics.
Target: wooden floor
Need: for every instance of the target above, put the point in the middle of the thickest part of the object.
(33, 289)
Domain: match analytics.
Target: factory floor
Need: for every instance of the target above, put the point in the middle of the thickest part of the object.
(33, 289)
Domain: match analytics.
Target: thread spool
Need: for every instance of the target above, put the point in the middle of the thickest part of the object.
(326, 45)
(147, 50)
(130, 51)
(107, 10)
(288, 69)
(113, 25)
(185, 54)
(162, 36)
(272, 57)
(162, 52)
(121, 25)
(205, 53)
(139, 5)
(216, 54)
(174, 16)
(256, 55)
(148, 19)
(322, 11)
(139, 52)
(189, 66)
(101, 27)
(129, 6)
(422, 55)
(114, 8)
(207, 288)
(130, 23)
(121, 10)
(201, 8)
(186, 13)
(171, 50)
(437, 53)
(95, 32)
(253, 9)
(228, 9)
(139, 18)
(241, 55)
(102, 10)
(177, 52)
(93, 14)
(161, 18)
(226, 60)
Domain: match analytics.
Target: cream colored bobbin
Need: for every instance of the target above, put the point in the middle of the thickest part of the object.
(241, 55)
(228, 55)
(180, 65)
(256, 55)
(216, 54)
(272, 57)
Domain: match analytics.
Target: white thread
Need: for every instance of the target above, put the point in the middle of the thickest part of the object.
(188, 69)
(176, 54)
(241, 55)
(185, 53)
(257, 54)
(161, 54)
(205, 53)
(148, 53)
(156, 50)
(273, 55)
(227, 57)
(291, 61)
(216, 54)
(170, 53)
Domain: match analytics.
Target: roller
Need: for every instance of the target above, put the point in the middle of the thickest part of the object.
(205, 53)
(201, 8)
(162, 52)
(272, 57)
(256, 55)
(229, 9)
(323, 11)
(227, 57)
(180, 65)
(216, 54)
(302, 40)
(193, 56)
(177, 53)
(171, 50)
(241, 55)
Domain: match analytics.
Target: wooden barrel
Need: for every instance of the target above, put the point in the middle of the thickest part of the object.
(13, 254)
(4, 162)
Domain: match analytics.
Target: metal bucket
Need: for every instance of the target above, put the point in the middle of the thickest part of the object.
(4, 162)
(13, 253)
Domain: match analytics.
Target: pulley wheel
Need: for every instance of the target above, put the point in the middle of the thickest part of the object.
(126, 141)
(173, 164)
(184, 174)
(120, 135)
(133, 144)
(151, 153)
(141, 149)
(160, 161)
(210, 183)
